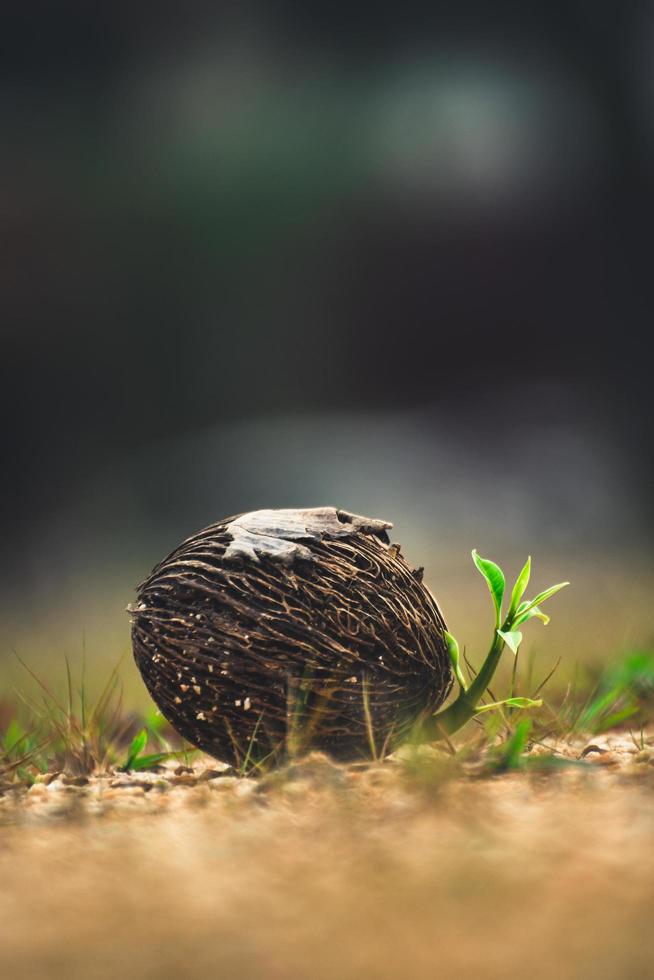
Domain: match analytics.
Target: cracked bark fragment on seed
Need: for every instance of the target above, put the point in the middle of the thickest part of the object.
(279, 534)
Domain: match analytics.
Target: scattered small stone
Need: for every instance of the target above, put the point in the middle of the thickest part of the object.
(318, 768)
(126, 790)
(180, 770)
(226, 783)
(56, 784)
(47, 777)
(184, 779)
(299, 787)
(606, 758)
(244, 787)
(209, 774)
(37, 789)
(75, 780)
(131, 784)
(422, 753)
(378, 776)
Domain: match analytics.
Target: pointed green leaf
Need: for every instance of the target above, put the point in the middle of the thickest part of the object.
(524, 703)
(13, 736)
(138, 744)
(509, 703)
(616, 718)
(453, 651)
(542, 596)
(521, 584)
(516, 745)
(148, 761)
(536, 601)
(494, 579)
(534, 613)
(512, 638)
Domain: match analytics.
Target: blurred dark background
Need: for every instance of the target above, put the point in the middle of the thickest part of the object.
(280, 254)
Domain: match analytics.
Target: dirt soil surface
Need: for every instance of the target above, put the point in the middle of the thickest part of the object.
(393, 870)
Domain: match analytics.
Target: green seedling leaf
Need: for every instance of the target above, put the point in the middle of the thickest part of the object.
(12, 737)
(138, 744)
(524, 703)
(147, 761)
(634, 673)
(516, 745)
(494, 579)
(510, 755)
(155, 722)
(453, 651)
(519, 588)
(523, 616)
(534, 613)
(512, 638)
(615, 719)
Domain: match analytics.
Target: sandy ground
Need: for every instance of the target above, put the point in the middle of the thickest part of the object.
(391, 871)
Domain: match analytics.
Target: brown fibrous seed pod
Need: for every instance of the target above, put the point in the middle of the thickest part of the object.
(280, 631)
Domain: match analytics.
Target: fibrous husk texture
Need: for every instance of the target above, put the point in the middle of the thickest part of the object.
(279, 631)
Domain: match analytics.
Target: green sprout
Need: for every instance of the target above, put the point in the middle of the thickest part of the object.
(506, 633)
(136, 761)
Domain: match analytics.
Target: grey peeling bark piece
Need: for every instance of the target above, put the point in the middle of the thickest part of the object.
(278, 534)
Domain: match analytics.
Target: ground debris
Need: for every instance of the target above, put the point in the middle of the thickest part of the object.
(317, 850)
(316, 774)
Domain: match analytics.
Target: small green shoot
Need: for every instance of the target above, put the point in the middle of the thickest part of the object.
(512, 751)
(519, 588)
(73, 734)
(137, 745)
(453, 651)
(467, 704)
(495, 581)
(137, 762)
(530, 609)
(524, 703)
(623, 690)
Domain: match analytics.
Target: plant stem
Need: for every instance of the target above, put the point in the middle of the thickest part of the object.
(462, 710)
